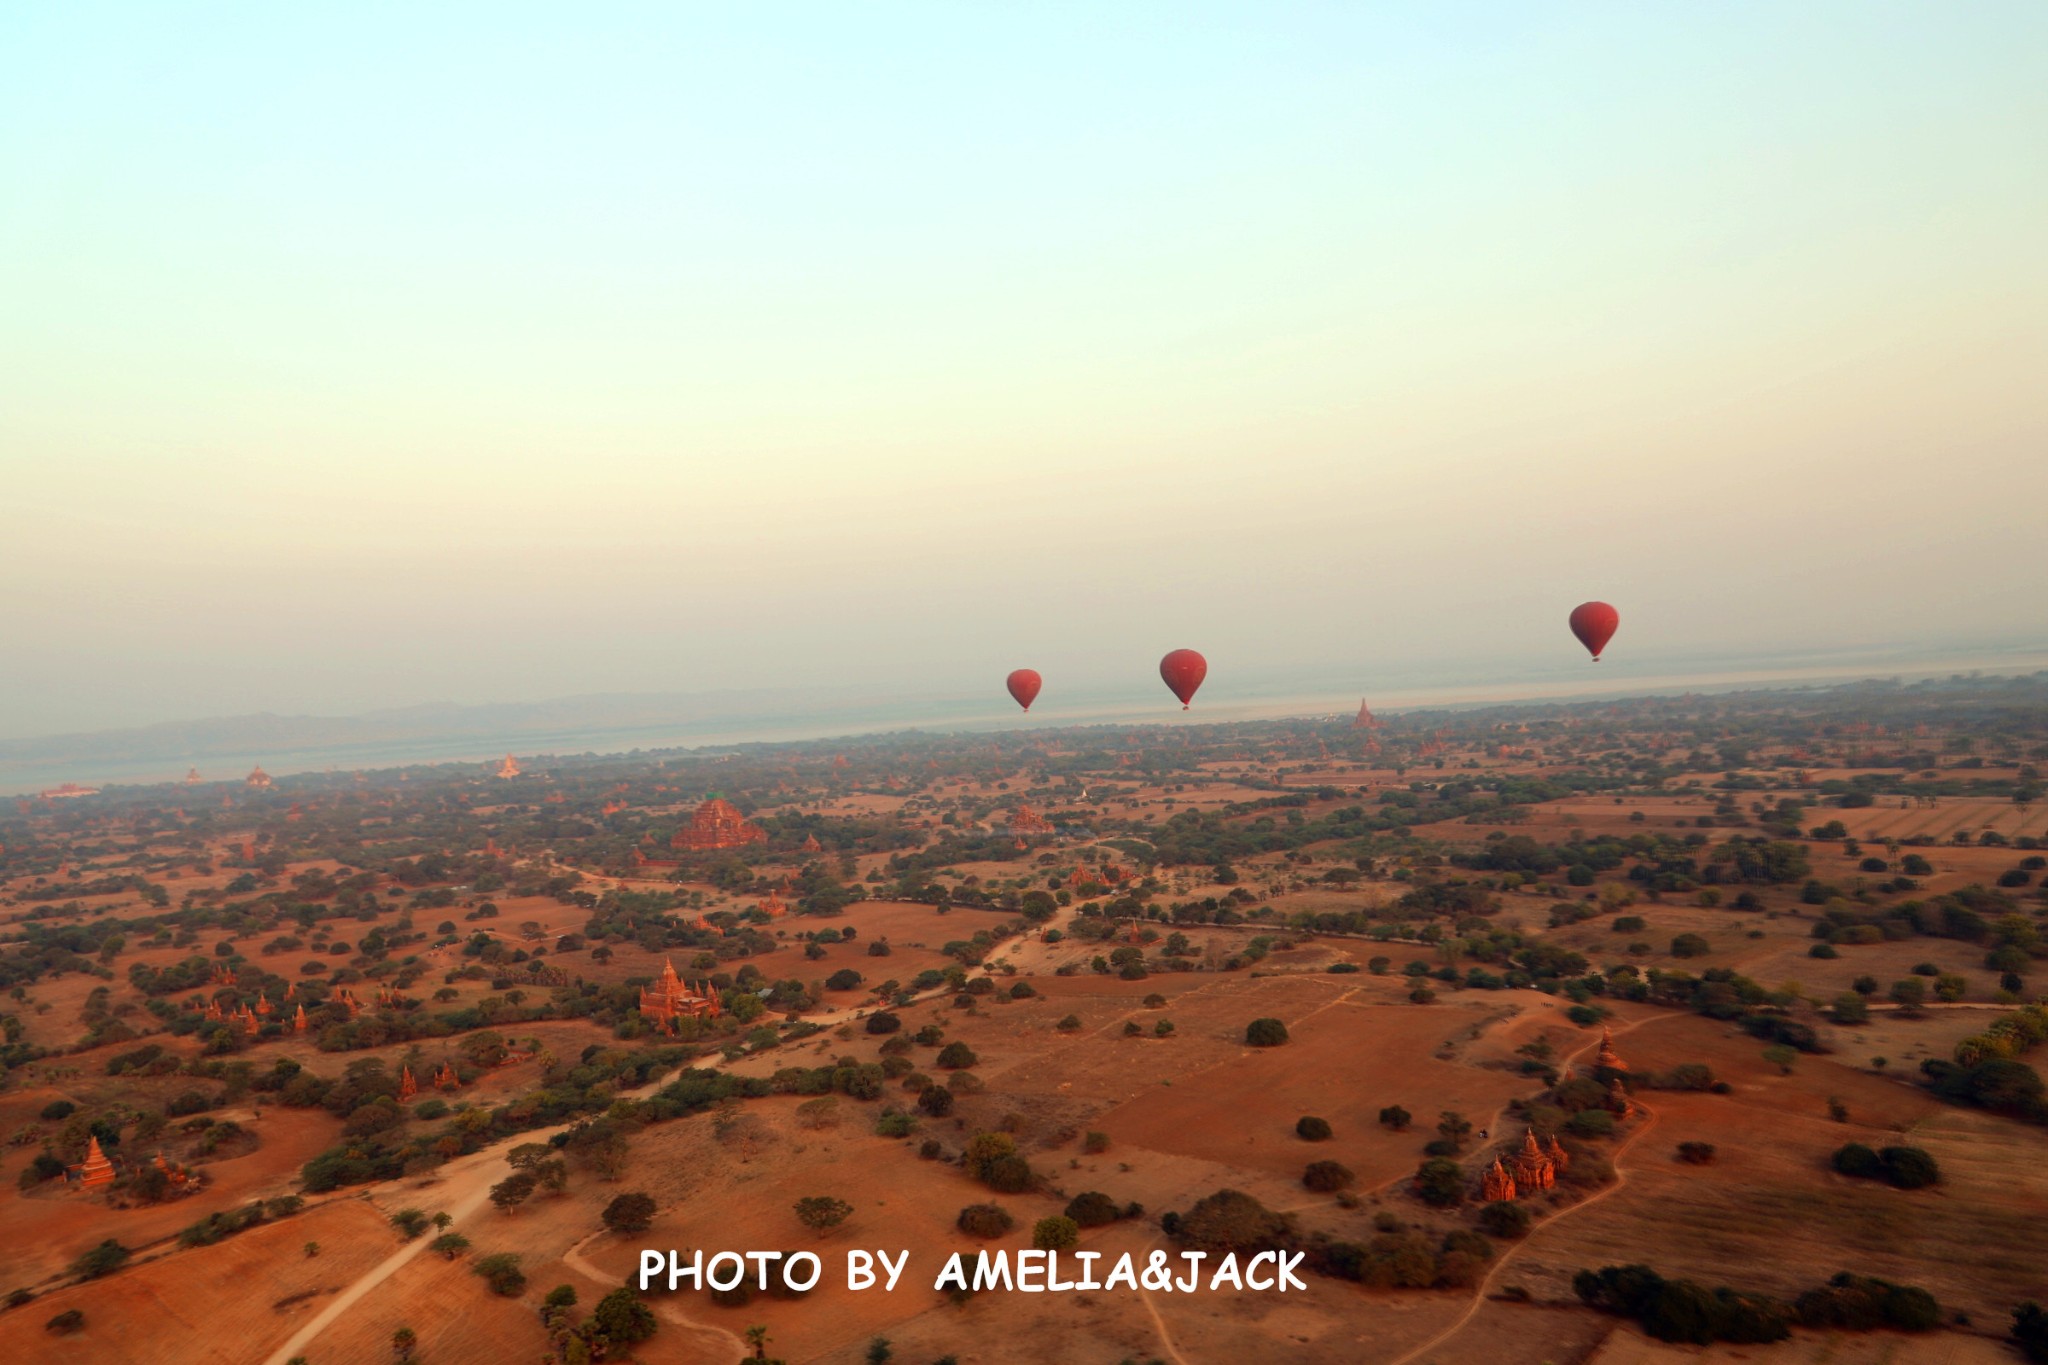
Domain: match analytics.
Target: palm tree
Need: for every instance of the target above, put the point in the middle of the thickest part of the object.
(757, 1337)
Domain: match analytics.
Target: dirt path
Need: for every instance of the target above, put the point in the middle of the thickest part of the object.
(664, 1309)
(1501, 1262)
(464, 1187)
(467, 1189)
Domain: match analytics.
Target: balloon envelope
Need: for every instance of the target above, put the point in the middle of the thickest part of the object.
(1024, 685)
(1594, 623)
(1183, 671)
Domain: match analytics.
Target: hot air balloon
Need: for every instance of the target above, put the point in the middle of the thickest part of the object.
(1024, 685)
(1183, 671)
(1594, 623)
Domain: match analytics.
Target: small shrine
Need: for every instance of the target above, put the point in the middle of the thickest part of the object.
(96, 1171)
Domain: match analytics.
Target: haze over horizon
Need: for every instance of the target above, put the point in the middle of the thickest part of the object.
(355, 358)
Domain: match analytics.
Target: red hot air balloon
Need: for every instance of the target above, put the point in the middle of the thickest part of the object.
(1024, 685)
(1183, 671)
(1594, 623)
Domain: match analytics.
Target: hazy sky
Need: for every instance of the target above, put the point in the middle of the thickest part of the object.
(357, 355)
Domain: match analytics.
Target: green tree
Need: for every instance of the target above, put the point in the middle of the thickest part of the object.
(629, 1214)
(1265, 1033)
(502, 1273)
(1440, 1182)
(623, 1318)
(404, 1342)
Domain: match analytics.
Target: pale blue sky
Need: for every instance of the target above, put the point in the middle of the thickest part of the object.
(358, 355)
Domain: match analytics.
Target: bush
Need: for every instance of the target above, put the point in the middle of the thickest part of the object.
(1230, 1220)
(1441, 1182)
(845, 979)
(103, 1259)
(621, 1317)
(629, 1214)
(1857, 1160)
(954, 1056)
(1070, 1024)
(1327, 1177)
(1909, 1168)
(1093, 1209)
(58, 1110)
(1504, 1220)
(1696, 1153)
(1265, 1033)
(984, 1220)
(502, 1273)
(1690, 945)
(1857, 1304)
(881, 1021)
(1312, 1129)
(65, 1323)
(936, 1101)
(1055, 1234)
(1396, 1118)
(1590, 1123)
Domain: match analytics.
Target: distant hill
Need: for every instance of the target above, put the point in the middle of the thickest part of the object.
(503, 724)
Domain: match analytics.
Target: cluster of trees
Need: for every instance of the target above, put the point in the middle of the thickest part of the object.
(1908, 1168)
(1684, 1311)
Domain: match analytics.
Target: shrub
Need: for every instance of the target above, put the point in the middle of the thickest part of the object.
(1504, 1220)
(1690, 945)
(1070, 1024)
(502, 1273)
(1055, 1234)
(103, 1259)
(1441, 1182)
(821, 1213)
(956, 1055)
(65, 1323)
(1396, 1118)
(1092, 1209)
(621, 1317)
(1696, 1153)
(1855, 1159)
(1327, 1177)
(1265, 1033)
(629, 1214)
(1095, 1143)
(881, 1021)
(1909, 1168)
(1230, 1220)
(1310, 1129)
(984, 1220)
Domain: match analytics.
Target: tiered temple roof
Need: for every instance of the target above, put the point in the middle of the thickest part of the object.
(509, 769)
(257, 777)
(1497, 1184)
(1366, 720)
(671, 998)
(407, 1086)
(1607, 1059)
(718, 824)
(1534, 1170)
(96, 1170)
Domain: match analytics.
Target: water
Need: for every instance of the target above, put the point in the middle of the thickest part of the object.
(854, 715)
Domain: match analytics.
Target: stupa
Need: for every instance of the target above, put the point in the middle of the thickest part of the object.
(95, 1172)
(509, 769)
(1497, 1184)
(257, 777)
